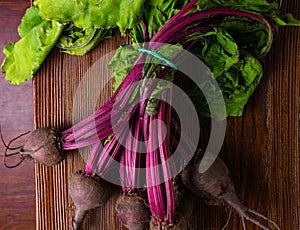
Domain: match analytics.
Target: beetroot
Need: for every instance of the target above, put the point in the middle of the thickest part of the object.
(216, 184)
(42, 145)
(132, 211)
(180, 223)
(184, 206)
(87, 192)
(184, 198)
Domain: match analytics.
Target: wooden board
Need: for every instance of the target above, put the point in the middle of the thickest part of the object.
(261, 147)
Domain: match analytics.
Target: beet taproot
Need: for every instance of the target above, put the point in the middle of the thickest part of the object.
(184, 198)
(180, 223)
(132, 211)
(42, 145)
(87, 192)
(216, 185)
(184, 206)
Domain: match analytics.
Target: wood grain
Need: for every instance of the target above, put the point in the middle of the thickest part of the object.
(261, 147)
(17, 189)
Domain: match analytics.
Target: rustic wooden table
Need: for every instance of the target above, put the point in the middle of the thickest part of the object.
(261, 148)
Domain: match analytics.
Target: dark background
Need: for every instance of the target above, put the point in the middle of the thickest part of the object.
(17, 187)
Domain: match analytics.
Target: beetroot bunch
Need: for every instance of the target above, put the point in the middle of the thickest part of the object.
(134, 135)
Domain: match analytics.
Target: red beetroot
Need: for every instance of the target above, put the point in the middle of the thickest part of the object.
(180, 223)
(42, 145)
(87, 192)
(216, 185)
(184, 198)
(132, 211)
(184, 205)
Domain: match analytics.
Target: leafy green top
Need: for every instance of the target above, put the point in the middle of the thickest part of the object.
(104, 14)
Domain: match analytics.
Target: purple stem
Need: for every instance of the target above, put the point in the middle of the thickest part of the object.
(169, 29)
(154, 186)
(93, 158)
(133, 75)
(165, 154)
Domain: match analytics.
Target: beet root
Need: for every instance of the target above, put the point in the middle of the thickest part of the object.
(215, 184)
(87, 192)
(180, 223)
(184, 198)
(132, 212)
(42, 145)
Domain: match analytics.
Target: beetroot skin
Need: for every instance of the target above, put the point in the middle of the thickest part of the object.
(216, 185)
(184, 206)
(132, 211)
(180, 223)
(44, 146)
(87, 192)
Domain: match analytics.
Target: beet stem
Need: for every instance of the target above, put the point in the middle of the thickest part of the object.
(165, 155)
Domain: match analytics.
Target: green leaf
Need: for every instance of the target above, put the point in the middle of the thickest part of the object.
(236, 73)
(29, 21)
(250, 35)
(156, 14)
(24, 57)
(122, 62)
(237, 85)
(287, 20)
(264, 7)
(218, 51)
(77, 41)
(93, 13)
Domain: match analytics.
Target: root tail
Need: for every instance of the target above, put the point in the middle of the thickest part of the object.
(77, 219)
(248, 214)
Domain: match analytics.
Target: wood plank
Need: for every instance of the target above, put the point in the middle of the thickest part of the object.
(261, 147)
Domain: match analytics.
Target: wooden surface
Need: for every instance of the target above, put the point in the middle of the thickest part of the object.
(17, 189)
(261, 148)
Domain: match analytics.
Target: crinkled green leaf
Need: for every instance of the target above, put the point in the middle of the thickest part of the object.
(236, 74)
(250, 35)
(200, 103)
(122, 62)
(29, 21)
(264, 7)
(237, 85)
(155, 16)
(77, 41)
(93, 13)
(24, 57)
(218, 51)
